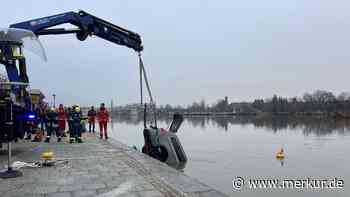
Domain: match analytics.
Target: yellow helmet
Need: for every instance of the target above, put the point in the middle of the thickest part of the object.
(77, 108)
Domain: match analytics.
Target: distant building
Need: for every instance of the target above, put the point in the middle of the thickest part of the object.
(242, 107)
(84, 110)
(37, 97)
(130, 109)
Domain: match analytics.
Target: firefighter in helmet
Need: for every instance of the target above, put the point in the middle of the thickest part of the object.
(76, 116)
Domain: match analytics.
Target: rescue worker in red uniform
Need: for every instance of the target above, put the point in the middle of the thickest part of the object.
(61, 120)
(103, 118)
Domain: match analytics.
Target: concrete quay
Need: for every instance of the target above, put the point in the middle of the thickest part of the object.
(96, 168)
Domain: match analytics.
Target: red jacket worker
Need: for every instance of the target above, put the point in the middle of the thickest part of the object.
(61, 120)
(103, 118)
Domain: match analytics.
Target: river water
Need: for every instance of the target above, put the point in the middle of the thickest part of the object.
(220, 149)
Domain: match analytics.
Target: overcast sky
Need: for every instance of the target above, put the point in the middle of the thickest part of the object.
(194, 50)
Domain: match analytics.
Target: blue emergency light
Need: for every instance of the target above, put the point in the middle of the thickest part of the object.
(30, 116)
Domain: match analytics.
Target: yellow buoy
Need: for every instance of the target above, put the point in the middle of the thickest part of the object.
(47, 155)
(280, 154)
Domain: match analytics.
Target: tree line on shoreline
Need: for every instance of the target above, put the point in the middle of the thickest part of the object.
(318, 102)
(307, 124)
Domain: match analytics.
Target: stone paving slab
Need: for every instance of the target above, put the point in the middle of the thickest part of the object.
(96, 168)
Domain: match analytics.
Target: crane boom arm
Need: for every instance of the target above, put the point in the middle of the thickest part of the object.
(87, 25)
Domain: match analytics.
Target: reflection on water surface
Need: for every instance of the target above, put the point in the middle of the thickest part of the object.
(221, 148)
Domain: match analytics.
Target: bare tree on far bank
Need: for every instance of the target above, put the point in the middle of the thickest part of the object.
(319, 102)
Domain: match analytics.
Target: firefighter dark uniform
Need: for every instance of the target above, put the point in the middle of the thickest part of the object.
(92, 117)
(52, 125)
(76, 117)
